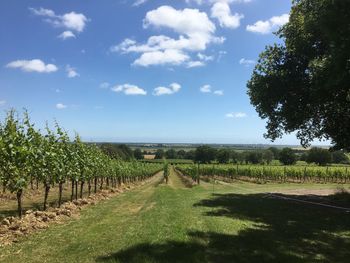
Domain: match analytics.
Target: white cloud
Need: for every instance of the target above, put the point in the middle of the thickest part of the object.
(139, 2)
(168, 56)
(2, 102)
(200, 2)
(66, 34)
(129, 89)
(70, 21)
(71, 72)
(34, 65)
(218, 92)
(195, 64)
(205, 88)
(246, 62)
(268, 26)
(61, 106)
(236, 115)
(195, 30)
(204, 57)
(173, 88)
(104, 85)
(43, 12)
(208, 89)
(222, 12)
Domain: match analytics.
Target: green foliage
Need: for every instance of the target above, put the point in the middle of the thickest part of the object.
(205, 154)
(138, 154)
(287, 156)
(340, 157)
(117, 151)
(159, 154)
(223, 155)
(26, 154)
(171, 154)
(279, 173)
(319, 156)
(303, 84)
(254, 157)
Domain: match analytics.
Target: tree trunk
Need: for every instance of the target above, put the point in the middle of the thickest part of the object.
(95, 190)
(72, 195)
(19, 202)
(47, 189)
(89, 187)
(101, 183)
(60, 189)
(81, 189)
(76, 190)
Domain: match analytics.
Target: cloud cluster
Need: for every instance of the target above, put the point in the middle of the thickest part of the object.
(61, 106)
(268, 26)
(208, 89)
(71, 72)
(195, 30)
(173, 88)
(34, 65)
(2, 102)
(70, 21)
(246, 62)
(236, 115)
(222, 12)
(66, 34)
(129, 89)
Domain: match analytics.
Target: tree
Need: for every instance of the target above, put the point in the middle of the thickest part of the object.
(234, 156)
(138, 154)
(171, 154)
(205, 154)
(159, 154)
(254, 157)
(287, 156)
(268, 156)
(190, 155)
(319, 156)
(303, 84)
(275, 152)
(340, 157)
(223, 155)
(181, 154)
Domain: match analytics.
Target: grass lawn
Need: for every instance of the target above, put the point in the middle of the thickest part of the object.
(206, 223)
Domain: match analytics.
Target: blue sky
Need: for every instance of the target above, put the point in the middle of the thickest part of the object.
(138, 71)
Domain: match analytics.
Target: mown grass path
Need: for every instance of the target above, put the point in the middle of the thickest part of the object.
(173, 223)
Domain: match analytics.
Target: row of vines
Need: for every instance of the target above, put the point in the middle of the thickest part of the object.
(269, 173)
(30, 157)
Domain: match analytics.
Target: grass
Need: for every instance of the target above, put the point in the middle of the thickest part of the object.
(206, 223)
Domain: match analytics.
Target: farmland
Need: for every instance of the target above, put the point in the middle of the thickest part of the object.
(68, 201)
(220, 222)
(263, 173)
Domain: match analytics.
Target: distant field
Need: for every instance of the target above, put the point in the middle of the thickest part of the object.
(171, 161)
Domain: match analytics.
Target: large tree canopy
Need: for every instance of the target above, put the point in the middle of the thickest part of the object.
(303, 85)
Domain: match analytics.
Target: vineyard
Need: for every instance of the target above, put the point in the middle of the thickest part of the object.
(30, 158)
(262, 173)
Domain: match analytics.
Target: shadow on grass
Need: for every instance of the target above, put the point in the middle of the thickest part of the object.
(283, 231)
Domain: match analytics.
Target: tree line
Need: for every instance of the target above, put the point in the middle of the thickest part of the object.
(287, 156)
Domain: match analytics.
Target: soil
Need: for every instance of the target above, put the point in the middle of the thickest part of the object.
(13, 228)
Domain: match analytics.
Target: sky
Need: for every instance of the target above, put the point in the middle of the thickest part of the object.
(138, 70)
